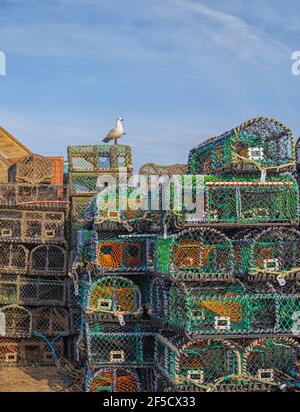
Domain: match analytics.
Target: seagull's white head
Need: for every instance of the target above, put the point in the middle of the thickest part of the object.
(120, 119)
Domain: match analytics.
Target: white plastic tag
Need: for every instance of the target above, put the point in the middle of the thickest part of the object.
(281, 280)
(121, 320)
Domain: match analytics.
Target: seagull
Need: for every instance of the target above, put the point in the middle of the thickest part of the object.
(116, 132)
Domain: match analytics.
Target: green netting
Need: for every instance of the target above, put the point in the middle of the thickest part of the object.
(236, 200)
(255, 145)
(115, 296)
(236, 309)
(195, 254)
(207, 364)
(271, 253)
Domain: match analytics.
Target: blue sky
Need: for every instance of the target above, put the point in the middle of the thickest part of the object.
(178, 71)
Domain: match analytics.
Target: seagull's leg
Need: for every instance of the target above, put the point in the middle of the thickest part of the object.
(116, 141)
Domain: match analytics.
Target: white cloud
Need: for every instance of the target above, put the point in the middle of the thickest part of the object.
(231, 32)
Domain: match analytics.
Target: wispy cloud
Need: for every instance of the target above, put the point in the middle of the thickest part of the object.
(231, 32)
(178, 28)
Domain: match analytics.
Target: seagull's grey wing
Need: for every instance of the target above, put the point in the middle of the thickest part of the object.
(112, 133)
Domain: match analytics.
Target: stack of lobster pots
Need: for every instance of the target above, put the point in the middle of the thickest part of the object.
(34, 319)
(225, 297)
(112, 268)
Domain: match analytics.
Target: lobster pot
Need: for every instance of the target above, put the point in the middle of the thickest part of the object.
(13, 258)
(31, 226)
(273, 360)
(51, 321)
(37, 196)
(78, 205)
(273, 253)
(32, 169)
(194, 363)
(123, 254)
(221, 310)
(125, 347)
(48, 260)
(112, 297)
(109, 159)
(237, 200)
(28, 352)
(15, 289)
(195, 254)
(255, 145)
(123, 208)
(15, 321)
(113, 380)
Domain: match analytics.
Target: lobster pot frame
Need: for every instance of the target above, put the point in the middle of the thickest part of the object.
(113, 380)
(255, 145)
(195, 254)
(237, 200)
(41, 197)
(31, 226)
(48, 260)
(109, 159)
(20, 290)
(13, 258)
(273, 253)
(196, 363)
(51, 321)
(28, 352)
(117, 347)
(112, 298)
(221, 310)
(32, 169)
(272, 360)
(15, 321)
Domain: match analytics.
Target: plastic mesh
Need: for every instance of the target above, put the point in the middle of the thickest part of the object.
(32, 291)
(16, 321)
(32, 169)
(48, 260)
(102, 158)
(224, 310)
(272, 253)
(195, 254)
(51, 321)
(110, 345)
(115, 296)
(27, 196)
(258, 143)
(28, 352)
(31, 226)
(113, 380)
